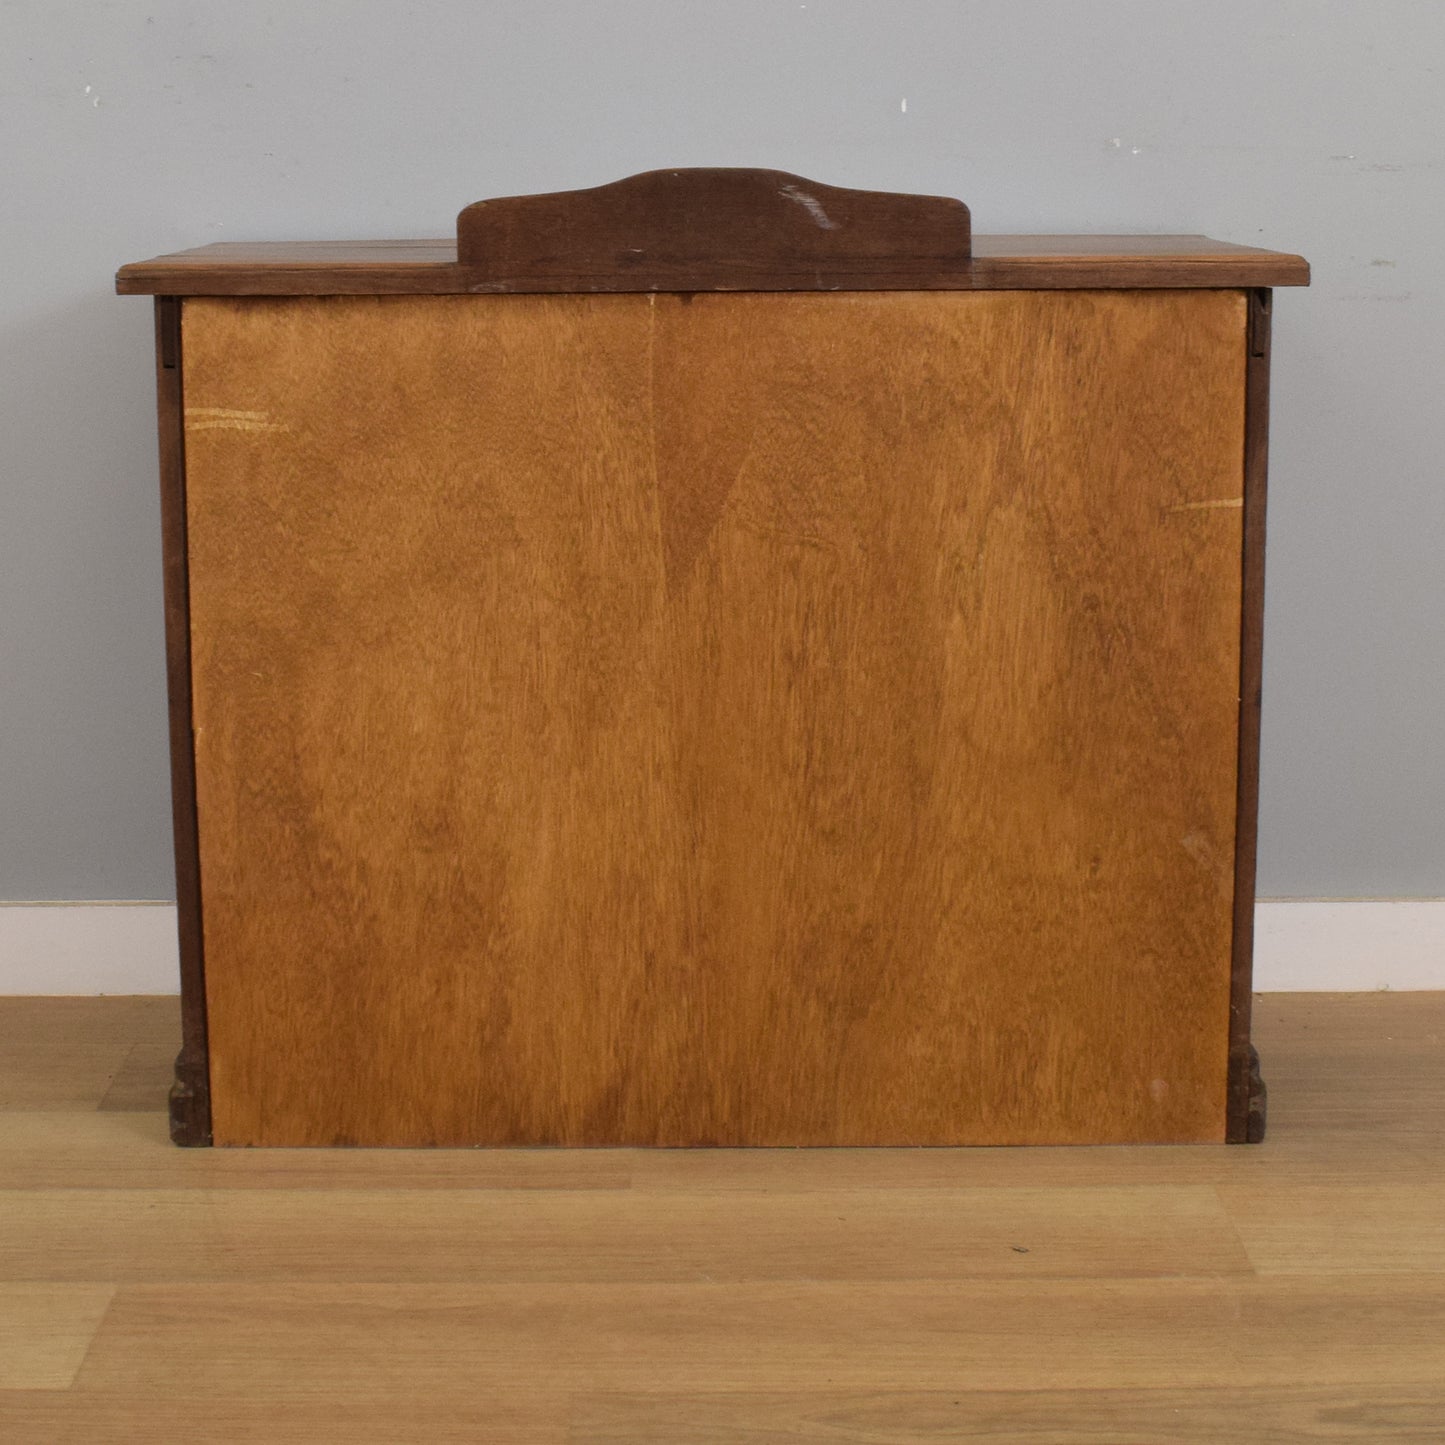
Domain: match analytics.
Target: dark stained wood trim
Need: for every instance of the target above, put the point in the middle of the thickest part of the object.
(1246, 1115)
(430, 268)
(698, 229)
(190, 1102)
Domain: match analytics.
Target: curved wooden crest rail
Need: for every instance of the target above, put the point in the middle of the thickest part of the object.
(700, 231)
(708, 230)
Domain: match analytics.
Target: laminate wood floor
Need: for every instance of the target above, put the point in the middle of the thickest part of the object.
(1289, 1292)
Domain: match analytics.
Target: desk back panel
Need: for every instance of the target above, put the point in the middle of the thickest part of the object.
(755, 718)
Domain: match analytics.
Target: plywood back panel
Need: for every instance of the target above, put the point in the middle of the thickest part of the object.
(716, 719)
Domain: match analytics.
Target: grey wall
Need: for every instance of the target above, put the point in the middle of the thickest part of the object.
(130, 128)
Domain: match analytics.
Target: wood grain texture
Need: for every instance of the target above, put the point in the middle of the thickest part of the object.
(377, 1417)
(282, 1342)
(131, 1150)
(597, 1236)
(766, 719)
(1292, 1415)
(1314, 1338)
(134, 1089)
(63, 1054)
(701, 229)
(1319, 1228)
(541, 1414)
(45, 1330)
(430, 267)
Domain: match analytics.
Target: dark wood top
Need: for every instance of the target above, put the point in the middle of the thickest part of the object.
(709, 230)
(999, 263)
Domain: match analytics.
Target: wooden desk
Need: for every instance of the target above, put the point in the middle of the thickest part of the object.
(715, 659)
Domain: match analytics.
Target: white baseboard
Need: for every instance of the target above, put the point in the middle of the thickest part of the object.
(1349, 945)
(88, 948)
(1331, 945)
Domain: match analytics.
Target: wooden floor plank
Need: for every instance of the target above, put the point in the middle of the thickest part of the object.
(45, 1330)
(143, 1081)
(124, 1150)
(1295, 1156)
(1310, 1415)
(297, 1341)
(287, 1235)
(1277, 1415)
(1346, 1227)
(380, 1417)
(1292, 1292)
(65, 1053)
